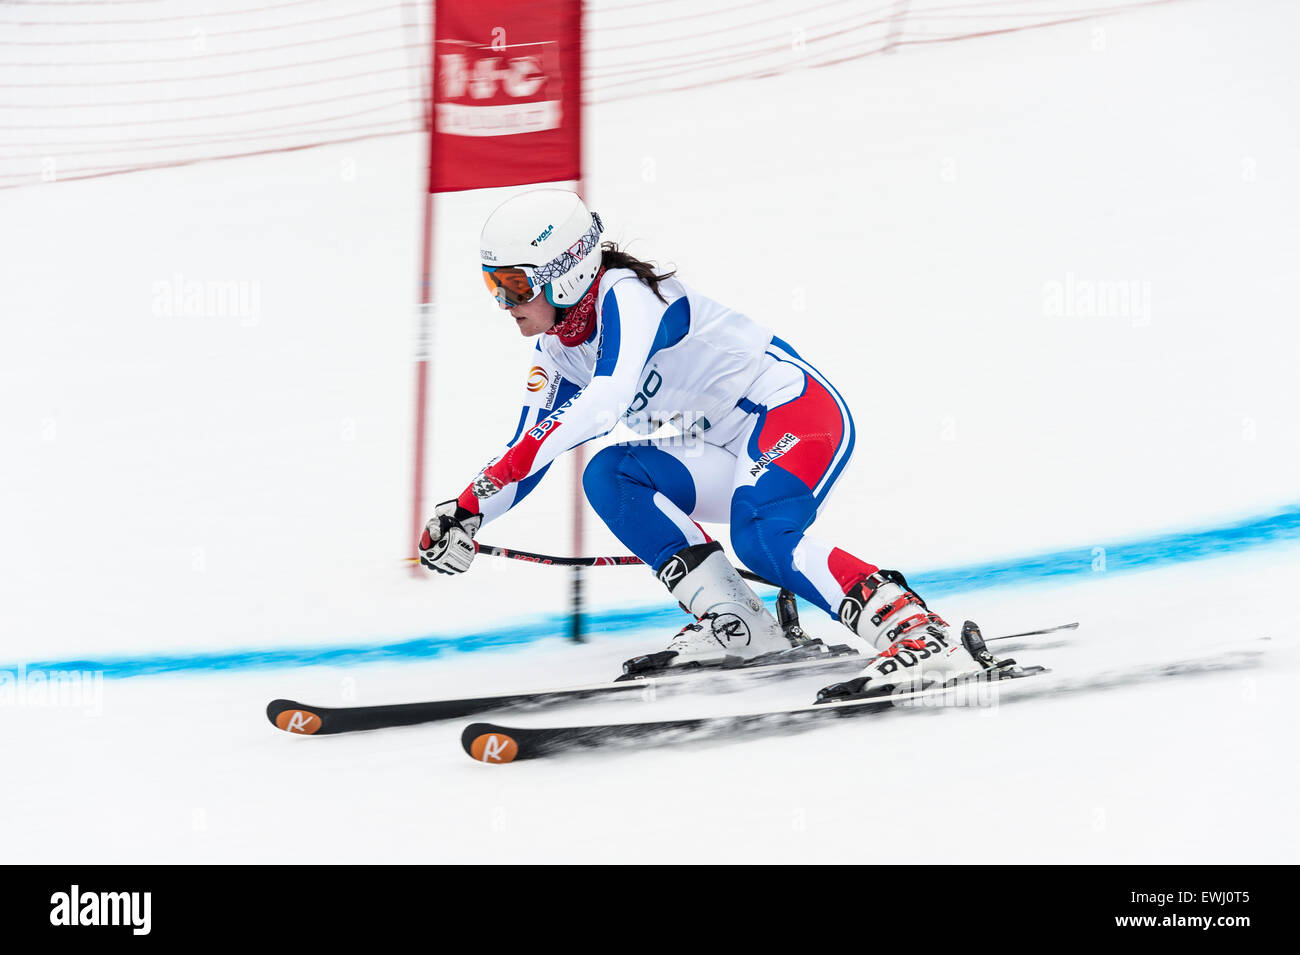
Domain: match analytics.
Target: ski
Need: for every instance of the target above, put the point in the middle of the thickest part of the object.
(310, 720)
(493, 743)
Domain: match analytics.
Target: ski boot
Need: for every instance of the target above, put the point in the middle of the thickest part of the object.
(916, 649)
(731, 625)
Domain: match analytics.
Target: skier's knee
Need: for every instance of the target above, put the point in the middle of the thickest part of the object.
(603, 475)
(602, 467)
(764, 544)
(757, 546)
(622, 477)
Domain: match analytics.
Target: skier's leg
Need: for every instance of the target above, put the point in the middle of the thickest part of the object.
(768, 534)
(794, 453)
(788, 463)
(651, 495)
(769, 522)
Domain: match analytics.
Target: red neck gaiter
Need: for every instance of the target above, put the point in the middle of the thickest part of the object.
(575, 322)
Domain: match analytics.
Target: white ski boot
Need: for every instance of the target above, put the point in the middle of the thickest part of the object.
(916, 648)
(731, 624)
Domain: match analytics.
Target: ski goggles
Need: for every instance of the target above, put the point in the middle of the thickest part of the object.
(513, 285)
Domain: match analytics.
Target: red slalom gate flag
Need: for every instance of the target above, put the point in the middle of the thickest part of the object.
(507, 93)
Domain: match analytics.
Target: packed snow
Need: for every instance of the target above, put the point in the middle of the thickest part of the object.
(1052, 272)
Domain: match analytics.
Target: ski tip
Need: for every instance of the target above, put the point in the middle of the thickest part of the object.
(293, 717)
(489, 743)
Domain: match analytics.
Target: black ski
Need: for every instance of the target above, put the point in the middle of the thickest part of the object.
(305, 719)
(492, 743)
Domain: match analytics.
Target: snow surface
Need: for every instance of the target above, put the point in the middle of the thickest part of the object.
(181, 483)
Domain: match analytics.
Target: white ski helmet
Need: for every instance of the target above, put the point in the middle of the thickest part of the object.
(540, 240)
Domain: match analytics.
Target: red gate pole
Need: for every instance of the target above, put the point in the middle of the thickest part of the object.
(576, 606)
(424, 310)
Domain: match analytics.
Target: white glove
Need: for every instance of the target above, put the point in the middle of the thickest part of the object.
(447, 544)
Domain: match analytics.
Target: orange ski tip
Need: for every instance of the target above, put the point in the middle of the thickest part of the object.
(304, 722)
(494, 748)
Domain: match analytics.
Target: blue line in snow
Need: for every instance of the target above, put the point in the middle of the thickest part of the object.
(1181, 547)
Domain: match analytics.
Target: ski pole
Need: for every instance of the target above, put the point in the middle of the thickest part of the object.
(788, 613)
(620, 560)
(1034, 633)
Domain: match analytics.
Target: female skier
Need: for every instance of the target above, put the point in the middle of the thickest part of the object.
(763, 437)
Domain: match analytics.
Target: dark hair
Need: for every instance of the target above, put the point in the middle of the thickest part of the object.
(612, 257)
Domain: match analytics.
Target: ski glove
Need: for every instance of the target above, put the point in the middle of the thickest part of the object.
(447, 544)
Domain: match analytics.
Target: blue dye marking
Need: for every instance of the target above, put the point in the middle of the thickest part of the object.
(1058, 566)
